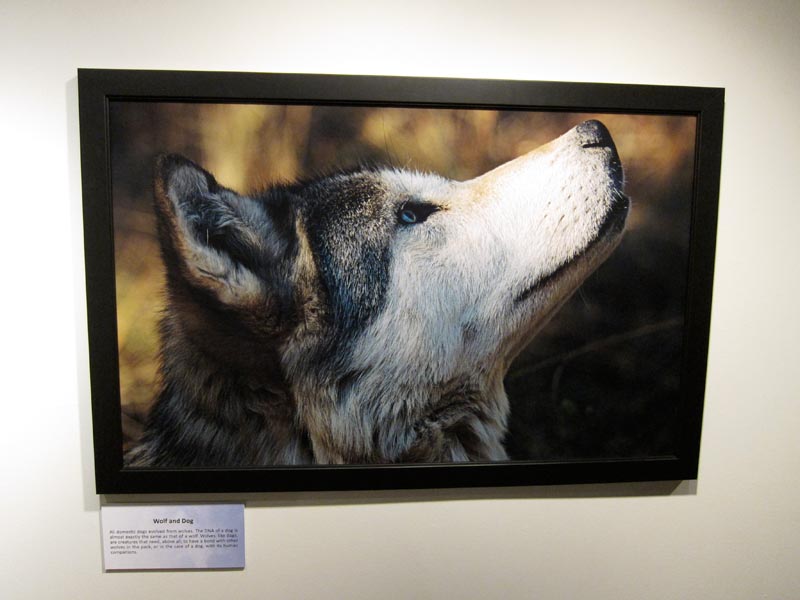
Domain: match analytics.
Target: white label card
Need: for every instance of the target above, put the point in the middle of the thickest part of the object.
(186, 536)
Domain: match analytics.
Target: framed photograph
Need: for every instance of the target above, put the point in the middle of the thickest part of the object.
(311, 282)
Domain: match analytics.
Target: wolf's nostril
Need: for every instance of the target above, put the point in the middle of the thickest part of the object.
(593, 134)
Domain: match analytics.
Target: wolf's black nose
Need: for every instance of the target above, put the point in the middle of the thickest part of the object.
(593, 134)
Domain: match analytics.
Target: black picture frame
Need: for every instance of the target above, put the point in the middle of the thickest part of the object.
(98, 88)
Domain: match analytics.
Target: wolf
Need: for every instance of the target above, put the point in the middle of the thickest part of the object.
(368, 316)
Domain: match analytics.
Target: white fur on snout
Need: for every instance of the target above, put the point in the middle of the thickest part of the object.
(450, 308)
(547, 206)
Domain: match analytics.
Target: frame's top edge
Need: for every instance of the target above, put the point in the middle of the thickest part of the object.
(110, 75)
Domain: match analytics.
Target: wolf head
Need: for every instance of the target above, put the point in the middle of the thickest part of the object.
(381, 307)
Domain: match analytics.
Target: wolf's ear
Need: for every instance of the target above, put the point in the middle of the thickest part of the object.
(210, 236)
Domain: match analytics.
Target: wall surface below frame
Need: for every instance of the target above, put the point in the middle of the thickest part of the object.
(733, 534)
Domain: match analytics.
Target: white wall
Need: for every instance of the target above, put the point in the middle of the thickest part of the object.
(735, 535)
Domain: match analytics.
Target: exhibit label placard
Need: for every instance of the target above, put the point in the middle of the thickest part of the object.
(193, 536)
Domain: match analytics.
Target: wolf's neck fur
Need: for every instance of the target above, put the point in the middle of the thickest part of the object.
(213, 412)
(374, 421)
(209, 413)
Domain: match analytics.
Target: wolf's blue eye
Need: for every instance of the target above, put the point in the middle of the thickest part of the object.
(412, 213)
(408, 216)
